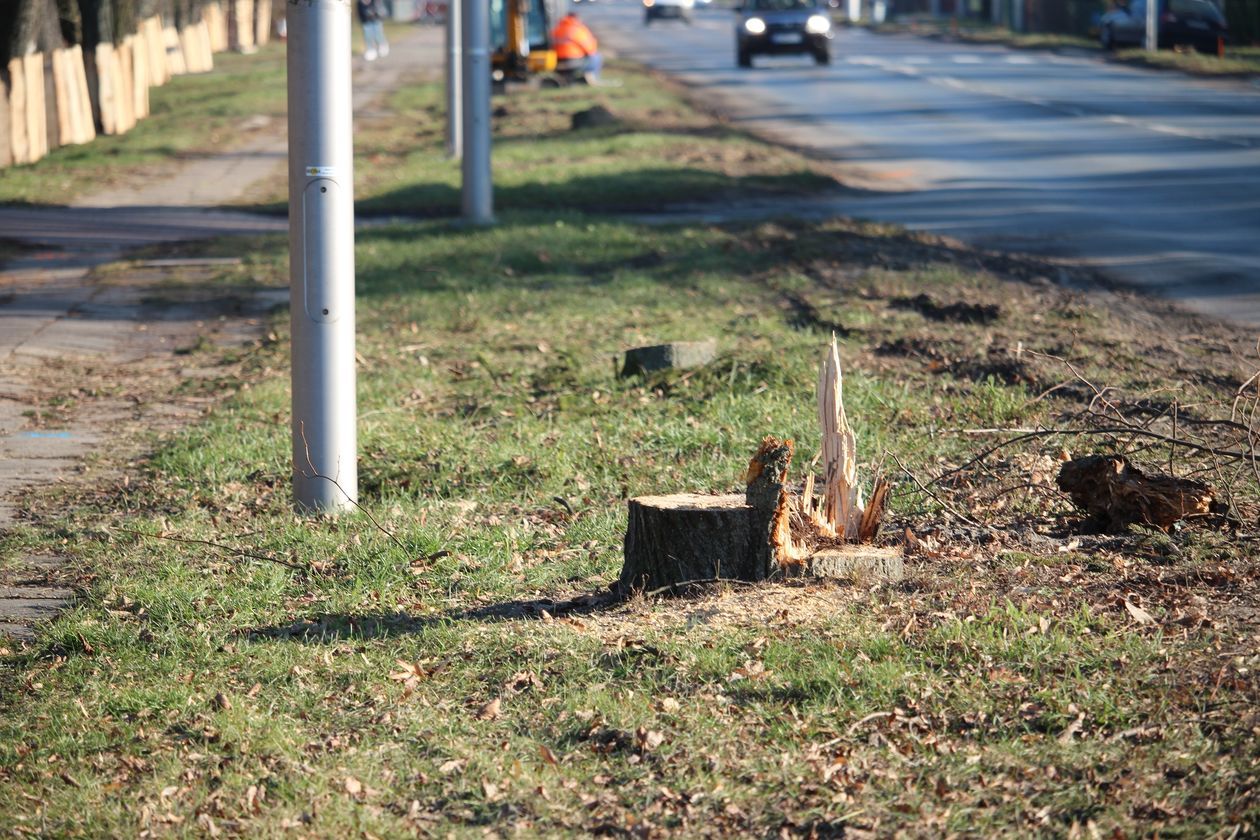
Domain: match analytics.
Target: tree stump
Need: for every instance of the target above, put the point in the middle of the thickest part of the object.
(768, 532)
(689, 537)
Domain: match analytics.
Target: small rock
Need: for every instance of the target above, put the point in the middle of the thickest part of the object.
(677, 355)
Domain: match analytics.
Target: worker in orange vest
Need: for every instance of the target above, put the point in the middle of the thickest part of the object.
(575, 46)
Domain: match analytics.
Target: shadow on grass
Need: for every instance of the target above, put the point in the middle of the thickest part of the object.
(637, 190)
(325, 628)
(632, 191)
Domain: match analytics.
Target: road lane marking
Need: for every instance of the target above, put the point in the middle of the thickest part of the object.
(1019, 59)
(954, 83)
(966, 59)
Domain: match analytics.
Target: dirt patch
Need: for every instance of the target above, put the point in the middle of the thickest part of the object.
(120, 364)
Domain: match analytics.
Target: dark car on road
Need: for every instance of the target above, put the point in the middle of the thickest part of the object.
(783, 27)
(1182, 23)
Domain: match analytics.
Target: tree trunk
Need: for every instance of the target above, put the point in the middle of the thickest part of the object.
(97, 20)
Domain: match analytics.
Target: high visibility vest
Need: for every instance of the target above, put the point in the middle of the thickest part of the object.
(571, 39)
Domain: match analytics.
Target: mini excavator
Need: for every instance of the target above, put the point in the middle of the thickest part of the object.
(520, 36)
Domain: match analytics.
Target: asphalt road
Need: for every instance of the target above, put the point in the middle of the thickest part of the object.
(1152, 177)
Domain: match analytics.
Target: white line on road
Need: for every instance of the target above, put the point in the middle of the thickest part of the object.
(1020, 59)
(955, 83)
(966, 59)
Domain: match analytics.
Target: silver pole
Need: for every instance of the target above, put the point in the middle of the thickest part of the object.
(478, 195)
(1152, 25)
(321, 255)
(454, 80)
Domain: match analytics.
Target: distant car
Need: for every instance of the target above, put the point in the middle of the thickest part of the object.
(666, 9)
(783, 27)
(1182, 23)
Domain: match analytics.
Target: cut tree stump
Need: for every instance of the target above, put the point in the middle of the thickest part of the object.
(768, 532)
(689, 537)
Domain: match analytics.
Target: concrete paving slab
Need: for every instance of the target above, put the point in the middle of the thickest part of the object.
(17, 631)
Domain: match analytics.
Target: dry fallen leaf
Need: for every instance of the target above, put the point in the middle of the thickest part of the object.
(353, 786)
(490, 711)
(648, 739)
(221, 702)
(454, 765)
(669, 704)
(548, 755)
(1066, 736)
(1140, 615)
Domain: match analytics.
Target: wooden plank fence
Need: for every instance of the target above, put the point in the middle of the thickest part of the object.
(69, 96)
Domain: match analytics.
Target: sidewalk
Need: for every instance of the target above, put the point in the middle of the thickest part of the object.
(65, 331)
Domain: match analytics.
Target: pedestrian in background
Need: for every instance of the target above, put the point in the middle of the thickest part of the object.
(370, 15)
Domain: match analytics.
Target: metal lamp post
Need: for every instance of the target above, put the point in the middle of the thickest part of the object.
(321, 255)
(454, 80)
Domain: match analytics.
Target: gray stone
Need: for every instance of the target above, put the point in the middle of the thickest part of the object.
(676, 355)
(859, 563)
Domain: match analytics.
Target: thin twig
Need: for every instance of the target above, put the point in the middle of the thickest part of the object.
(1103, 430)
(315, 473)
(948, 507)
(231, 549)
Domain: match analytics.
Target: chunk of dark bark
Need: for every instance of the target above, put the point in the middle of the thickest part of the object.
(1116, 494)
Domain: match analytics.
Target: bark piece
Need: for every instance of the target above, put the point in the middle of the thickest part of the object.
(1116, 494)
(769, 505)
(676, 355)
(857, 562)
(687, 537)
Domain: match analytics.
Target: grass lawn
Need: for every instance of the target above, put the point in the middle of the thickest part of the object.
(452, 665)
(1238, 61)
(658, 151)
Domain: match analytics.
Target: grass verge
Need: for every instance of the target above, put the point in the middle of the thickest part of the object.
(1238, 61)
(464, 672)
(656, 150)
(452, 663)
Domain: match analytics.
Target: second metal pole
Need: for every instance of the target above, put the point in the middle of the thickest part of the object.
(1152, 25)
(454, 79)
(478, 194)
